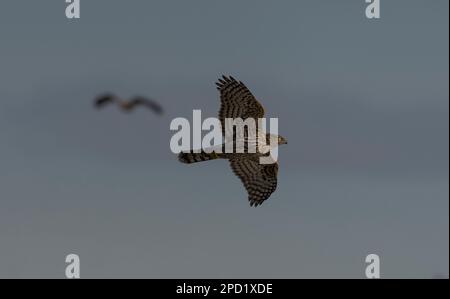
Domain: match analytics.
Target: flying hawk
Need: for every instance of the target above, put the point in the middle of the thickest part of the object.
(128, 105)
(260, 180)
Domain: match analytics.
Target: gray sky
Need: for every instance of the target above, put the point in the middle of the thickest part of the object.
(363, 103)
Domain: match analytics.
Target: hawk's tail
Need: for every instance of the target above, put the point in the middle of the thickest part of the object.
(197, 157)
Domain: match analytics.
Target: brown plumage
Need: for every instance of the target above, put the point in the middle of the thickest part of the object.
(260, 180)
(128, 105)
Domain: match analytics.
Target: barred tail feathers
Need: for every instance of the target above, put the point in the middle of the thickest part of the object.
(190, 157)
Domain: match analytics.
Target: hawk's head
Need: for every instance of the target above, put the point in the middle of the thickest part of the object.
(274, 140)
(282, 140)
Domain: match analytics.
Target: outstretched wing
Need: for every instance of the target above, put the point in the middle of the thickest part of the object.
(237, 101)
(104, 99)
(151, 104)
(260, 180)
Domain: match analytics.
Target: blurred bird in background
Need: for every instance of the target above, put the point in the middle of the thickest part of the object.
(128, 105)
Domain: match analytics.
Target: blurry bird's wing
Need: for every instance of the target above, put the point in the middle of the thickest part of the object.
(260, 180)
(149, 103)
(104, 99)
(237, 101)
